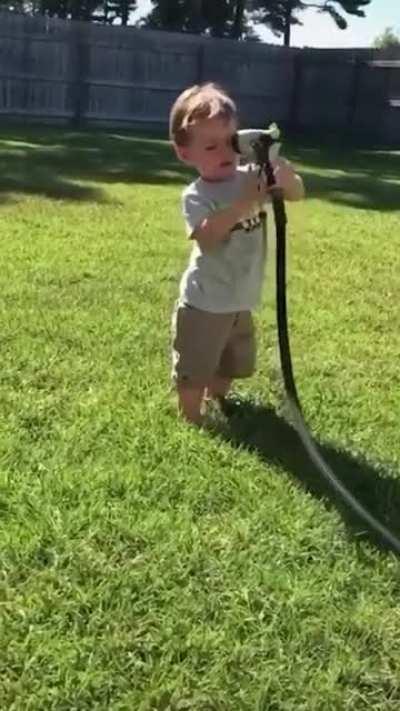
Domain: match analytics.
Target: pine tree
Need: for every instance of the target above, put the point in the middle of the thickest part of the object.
(281, 15)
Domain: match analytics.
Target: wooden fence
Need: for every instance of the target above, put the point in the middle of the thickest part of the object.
(84, 74)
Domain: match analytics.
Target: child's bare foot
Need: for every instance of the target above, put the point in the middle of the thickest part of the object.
(219, 387)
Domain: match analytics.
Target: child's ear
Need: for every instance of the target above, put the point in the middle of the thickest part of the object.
(181, 152)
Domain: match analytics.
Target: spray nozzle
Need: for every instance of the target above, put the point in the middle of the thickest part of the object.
(256, 145)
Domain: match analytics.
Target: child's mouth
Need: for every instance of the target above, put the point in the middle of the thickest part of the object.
(226, 164)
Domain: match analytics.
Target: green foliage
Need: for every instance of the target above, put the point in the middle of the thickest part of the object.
(387, 40)
(119, 9)
(68, 9)
(234, 18)
(226, 18)
(281, 15)
(106, 11)
(217, 19)
(148, 566)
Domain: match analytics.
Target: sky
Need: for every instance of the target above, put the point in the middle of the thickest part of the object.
(319, 30)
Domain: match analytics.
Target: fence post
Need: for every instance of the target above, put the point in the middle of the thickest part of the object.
(354, 95)
(296, 91)
(25, 68)
(200, 63)
(79, 53)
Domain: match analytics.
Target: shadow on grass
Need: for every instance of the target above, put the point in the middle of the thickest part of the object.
(261, 430)
(73, 165)
(68, 165)
(364, 179)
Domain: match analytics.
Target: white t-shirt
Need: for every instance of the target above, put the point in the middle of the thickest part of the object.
(229, 276)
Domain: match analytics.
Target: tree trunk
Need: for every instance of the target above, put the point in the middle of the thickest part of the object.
(197, 16)
(288, 24)
(219, 22)
(75, 11)
(236, 32)
(124, 12)
(105, 13)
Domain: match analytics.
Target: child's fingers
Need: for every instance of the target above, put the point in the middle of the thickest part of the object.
(281, 163)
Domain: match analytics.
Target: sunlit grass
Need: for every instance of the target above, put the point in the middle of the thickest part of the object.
(148, 566)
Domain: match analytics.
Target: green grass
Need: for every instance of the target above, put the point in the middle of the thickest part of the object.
(148, 566)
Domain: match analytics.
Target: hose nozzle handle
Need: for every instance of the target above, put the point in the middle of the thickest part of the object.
(256, 145)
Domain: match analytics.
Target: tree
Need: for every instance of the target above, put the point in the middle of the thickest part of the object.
(235, 18)
(217, 18)
(104, 11)
(281, 15)
(67, 9)
(387, 40)
(278, 15)
(116, 9)
(238, 20)
(17, 6)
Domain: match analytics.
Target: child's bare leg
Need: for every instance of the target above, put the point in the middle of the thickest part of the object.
(219, 387)
(189, 403)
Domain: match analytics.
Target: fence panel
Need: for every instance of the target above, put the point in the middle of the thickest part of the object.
(87, 73)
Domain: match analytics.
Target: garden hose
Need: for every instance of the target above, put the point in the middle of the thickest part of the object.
(293, 401)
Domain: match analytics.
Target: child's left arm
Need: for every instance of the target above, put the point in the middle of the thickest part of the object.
(288, 180)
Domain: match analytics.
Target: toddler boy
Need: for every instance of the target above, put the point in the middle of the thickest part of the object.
(213, 331)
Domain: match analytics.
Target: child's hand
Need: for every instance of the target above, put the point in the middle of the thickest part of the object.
(287, 179)
(253, 193)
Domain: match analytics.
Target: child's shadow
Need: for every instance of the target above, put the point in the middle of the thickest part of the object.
(264, 432)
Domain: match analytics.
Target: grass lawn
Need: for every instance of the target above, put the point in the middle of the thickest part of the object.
(147, 566)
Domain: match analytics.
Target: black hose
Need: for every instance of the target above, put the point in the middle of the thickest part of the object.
(290, 386)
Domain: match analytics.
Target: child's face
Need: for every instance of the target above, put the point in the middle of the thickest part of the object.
(210, 148)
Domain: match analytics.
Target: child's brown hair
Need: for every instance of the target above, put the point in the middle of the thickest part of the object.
(201, 101)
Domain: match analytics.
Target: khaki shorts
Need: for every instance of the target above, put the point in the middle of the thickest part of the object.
(206, 344)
